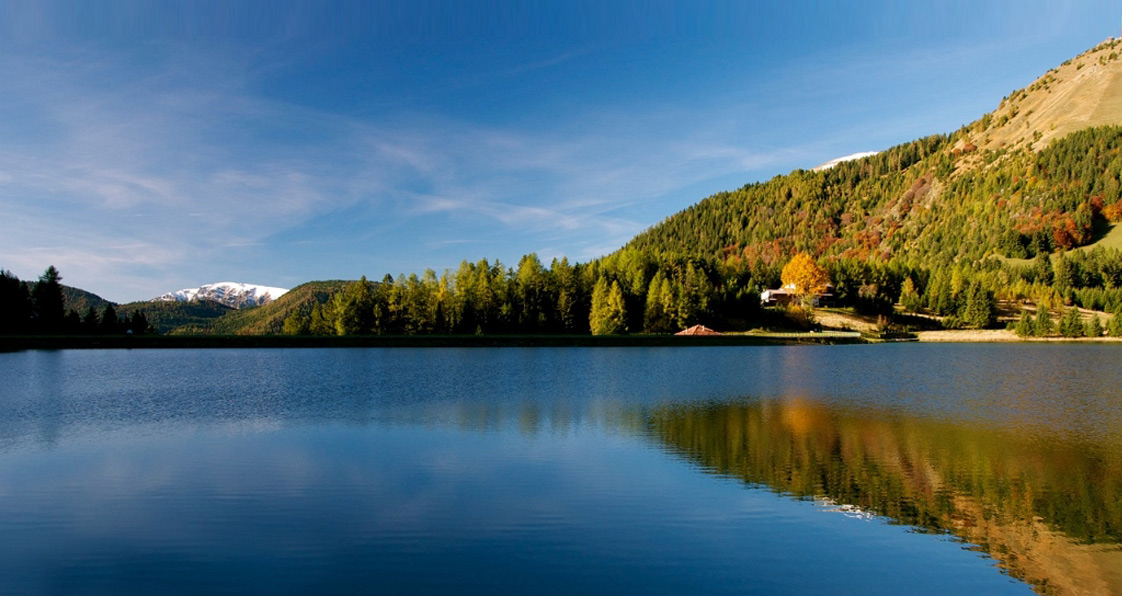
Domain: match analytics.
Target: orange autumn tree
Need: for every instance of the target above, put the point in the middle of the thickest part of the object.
(804, 277)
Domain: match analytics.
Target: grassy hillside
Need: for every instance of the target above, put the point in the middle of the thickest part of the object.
(270, 318)
(1083, 92)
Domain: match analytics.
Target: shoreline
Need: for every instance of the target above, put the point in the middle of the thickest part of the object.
(143, 342)
(45, 342)
(1000, 336)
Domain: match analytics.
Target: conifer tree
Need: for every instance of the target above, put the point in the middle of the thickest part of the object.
(1114, 326)
(296, 323)
(608, 312)
(91, 321)
(138, 323)
(354, 309)
(15, 304)
(617, 309)
(654, 315)
(978, 309)
(109, 323)
(909, 297)
(1064, 279)
(1070, 323)
(1043, 324)
(1042, 268)
(1093, 327)
(320, 322)
(1024, 326)
(49, 302)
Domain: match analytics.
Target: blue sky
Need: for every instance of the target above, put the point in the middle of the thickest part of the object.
(148, 147)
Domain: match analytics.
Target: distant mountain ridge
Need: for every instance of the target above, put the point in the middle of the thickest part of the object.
(232, 294)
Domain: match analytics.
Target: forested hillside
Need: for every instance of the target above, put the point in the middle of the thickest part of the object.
(916, 202)
(169, 316)
(1009, 184)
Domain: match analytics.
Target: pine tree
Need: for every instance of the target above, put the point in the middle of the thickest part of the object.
(320, 322)
(978, 309)
(354, 309)
(1042, 268)
(1043, 324)
(1114, 326)
(1070, 323)
(49, 301)
(1064, 279)
(91, 321)
(72, 322)
(138, 323)
(109, 323)
(1093, 327)
(1024, 327)
(15, 304)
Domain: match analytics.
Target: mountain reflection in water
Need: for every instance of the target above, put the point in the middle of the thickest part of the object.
(1047, 510)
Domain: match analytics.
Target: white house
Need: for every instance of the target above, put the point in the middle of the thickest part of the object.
(787, 295)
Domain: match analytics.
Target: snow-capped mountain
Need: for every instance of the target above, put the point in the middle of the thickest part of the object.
(834, 162)
(237, 295)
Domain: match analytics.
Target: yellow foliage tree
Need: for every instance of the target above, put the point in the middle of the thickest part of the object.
(805, 277)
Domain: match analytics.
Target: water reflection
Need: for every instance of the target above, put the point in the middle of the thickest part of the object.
(371, 466)
(1048, 510)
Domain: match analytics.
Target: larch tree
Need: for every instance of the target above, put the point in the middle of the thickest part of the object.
(805, 277)
(608, 311)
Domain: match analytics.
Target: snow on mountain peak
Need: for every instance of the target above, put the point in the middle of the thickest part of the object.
(234, 294)
(834, 162)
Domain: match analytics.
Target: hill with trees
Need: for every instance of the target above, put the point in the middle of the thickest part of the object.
(169, 317)
(1018, 208)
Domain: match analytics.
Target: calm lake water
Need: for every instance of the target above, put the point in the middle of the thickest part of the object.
(881, 469)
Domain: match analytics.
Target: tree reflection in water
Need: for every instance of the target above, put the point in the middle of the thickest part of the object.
(1047, 509)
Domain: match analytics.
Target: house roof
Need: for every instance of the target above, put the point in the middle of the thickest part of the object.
(698, 330)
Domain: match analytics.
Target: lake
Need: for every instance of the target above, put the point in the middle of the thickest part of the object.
(882, 469)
